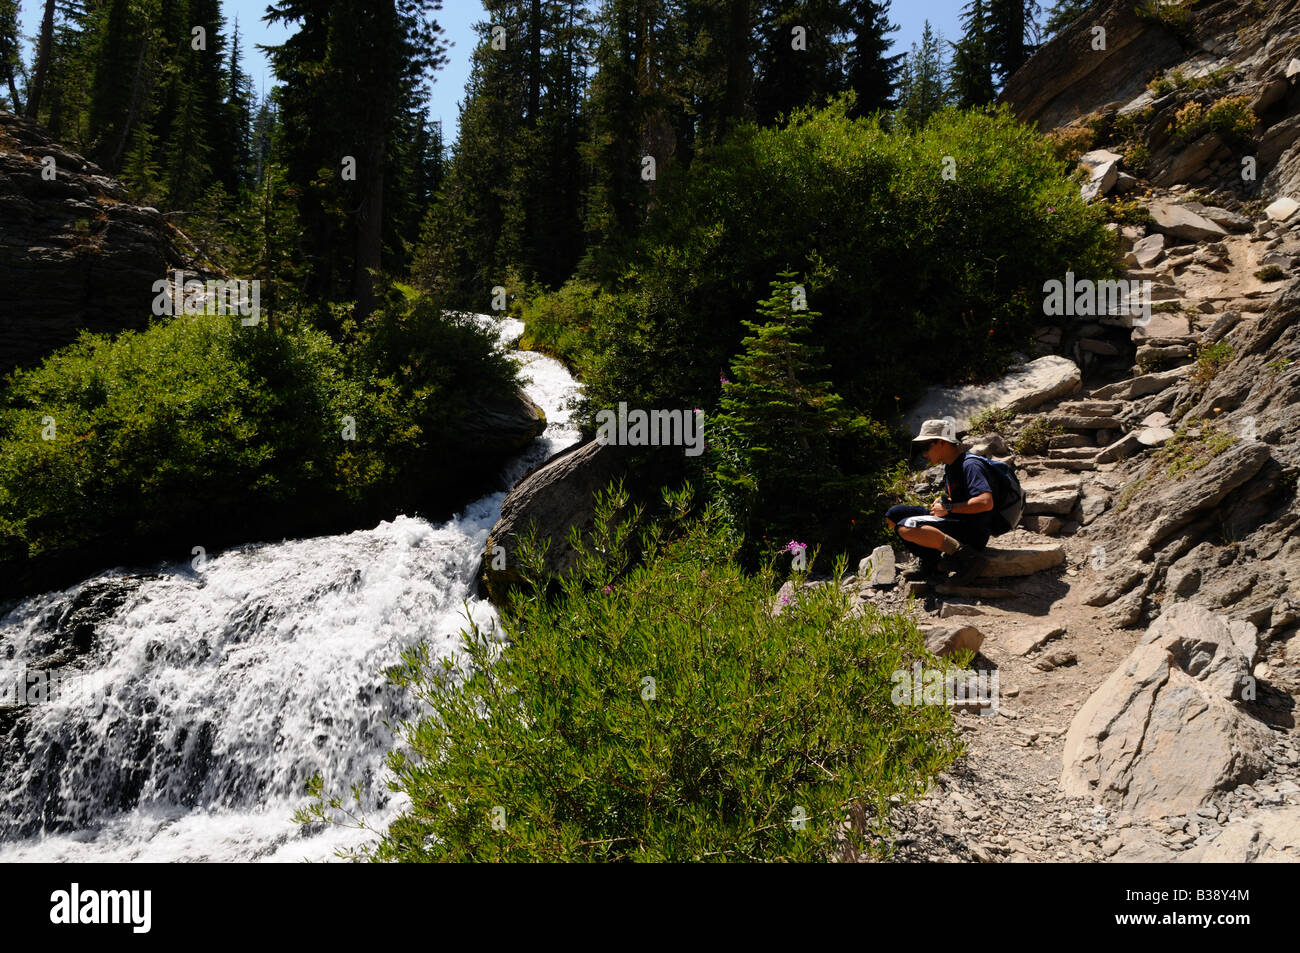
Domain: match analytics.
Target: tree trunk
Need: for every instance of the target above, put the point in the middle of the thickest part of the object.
(137, 90)
(42, 61)
(370, 214)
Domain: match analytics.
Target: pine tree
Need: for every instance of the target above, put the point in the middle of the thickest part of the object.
(873, 75)
(922, 91)
(10, 58)
(1063, 14)
(1012, 25)
(971, 78)
(349, 71)
(237, 122)
(781, 435)
(800, 54)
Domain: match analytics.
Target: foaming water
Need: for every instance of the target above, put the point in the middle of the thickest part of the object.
(210, 695)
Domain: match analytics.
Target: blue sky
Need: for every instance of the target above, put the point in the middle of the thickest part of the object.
(458, 18)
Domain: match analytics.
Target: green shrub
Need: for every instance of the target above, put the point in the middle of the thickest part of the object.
(991, 420)
(1210, 359)
(1128, 211)
(1034, 438)
(1070, 142)
(202, 429)
(660, 714)
(880, 232)
(1270, 273)
(1232, 117)
(1189, 121)
(560, 323)
(786, 456)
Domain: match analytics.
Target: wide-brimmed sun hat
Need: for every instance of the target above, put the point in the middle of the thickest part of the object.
(937, 430)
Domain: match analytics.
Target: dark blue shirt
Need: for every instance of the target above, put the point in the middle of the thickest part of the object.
(965, 478)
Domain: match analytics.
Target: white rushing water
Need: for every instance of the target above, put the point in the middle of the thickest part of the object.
(211, 695)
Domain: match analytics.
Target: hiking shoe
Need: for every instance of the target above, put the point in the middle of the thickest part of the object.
(963, 563)
(922, 569)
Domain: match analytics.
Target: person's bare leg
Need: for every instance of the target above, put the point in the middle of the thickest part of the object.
(930, 538)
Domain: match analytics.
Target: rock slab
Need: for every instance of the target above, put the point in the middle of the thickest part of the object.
(1162, 735)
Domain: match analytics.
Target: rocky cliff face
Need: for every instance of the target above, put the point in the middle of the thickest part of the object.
(1196, 53)
(74, 252)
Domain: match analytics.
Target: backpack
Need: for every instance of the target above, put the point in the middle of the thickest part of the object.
(1008, 496)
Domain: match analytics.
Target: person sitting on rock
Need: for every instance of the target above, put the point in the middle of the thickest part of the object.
(950, 533)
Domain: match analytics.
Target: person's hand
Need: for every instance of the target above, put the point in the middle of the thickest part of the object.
(937, 507)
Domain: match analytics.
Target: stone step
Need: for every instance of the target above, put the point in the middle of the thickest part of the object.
(1018, 557)
(1068, 440)
(1164, 355)
(1074, 465)
(1072, 453)
(1080, 422)
(1090, 408)
(974, 592)
(1141, 385)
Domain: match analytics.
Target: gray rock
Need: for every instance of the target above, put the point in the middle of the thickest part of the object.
(1018, 554)
(1154, 436)
(1026, 386)
(1178, 221)
(93, 255)
(1179, 503)
(879, 568)
(1232, 221)
(1125, 446)
(1268, 836)
(1024, 640)
(1221, 326)
(946, 639)
(1053, 496)
(1161, 735)
(557, 496)
(1111, 584)
(1282, 209)
(1149, 250)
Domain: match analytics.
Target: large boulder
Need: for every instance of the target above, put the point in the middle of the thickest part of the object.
(557, 496)
(75, 254)
(1025, 387)
(1070, 77)
(1162, 734)
(503, 427)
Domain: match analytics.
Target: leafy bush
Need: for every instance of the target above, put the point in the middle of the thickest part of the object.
(1232, 117)
(1036, 436)
(1128, 211)
(883, 235)
(200, 429)
(660, 714)
(560, 323)
(992, 420)
(1070, 142)
(1270, 273)
(1210, 359)
(1189, 121)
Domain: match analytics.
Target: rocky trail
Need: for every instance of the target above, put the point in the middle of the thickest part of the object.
(1142, 618)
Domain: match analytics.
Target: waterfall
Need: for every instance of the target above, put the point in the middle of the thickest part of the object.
(200, 699)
